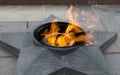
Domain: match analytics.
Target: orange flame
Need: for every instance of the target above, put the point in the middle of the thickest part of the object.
(55, 38)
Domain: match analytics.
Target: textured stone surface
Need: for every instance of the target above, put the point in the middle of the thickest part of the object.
(4, 52)
(14, 41)
(109, 16)
(118, 40)
(107, 10)
(40, 61)
(112, 23)
(12, 26)
(104, 39)
(34, 24)
(114, 60)
(7, 65)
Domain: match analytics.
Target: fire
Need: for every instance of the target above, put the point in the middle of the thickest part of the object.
(72, 33)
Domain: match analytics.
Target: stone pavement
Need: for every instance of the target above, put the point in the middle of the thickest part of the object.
(109, 21)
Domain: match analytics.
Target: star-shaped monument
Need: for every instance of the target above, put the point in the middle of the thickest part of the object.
(37, 60)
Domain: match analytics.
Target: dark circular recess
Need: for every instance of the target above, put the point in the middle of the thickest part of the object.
(62, 50)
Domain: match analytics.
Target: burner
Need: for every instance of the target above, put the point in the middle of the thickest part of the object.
(36, 58)
(61, 50)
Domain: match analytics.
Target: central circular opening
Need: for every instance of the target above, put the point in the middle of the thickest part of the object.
(60, 34)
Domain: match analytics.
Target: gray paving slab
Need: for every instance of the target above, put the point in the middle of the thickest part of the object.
(21, 13)
(59, 11)
(12, 26)
(118, 40)
(14, 41)
(34, 24)
(107, 10)
(110, 16)
(7, 65)
(5, 53)
(114, 60)
(112, 23)
(104, 39)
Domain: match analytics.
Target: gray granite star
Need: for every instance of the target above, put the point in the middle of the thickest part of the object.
(37, 60)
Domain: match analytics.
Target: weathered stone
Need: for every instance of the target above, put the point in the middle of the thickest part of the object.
(7, 65)
(114, 60)
(5, 53)
(112, 23)
(34, 24)
(14, 41)
(40, 61)
(104, 39)
(12, 26)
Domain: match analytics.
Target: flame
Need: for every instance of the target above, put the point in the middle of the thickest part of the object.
(49, 34)
(71, 35)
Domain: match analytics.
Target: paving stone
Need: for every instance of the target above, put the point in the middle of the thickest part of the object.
(114, 60)
(112, 23)
(7, 65)
(107, 10)
(37, 13)
(59, 11)
(34, 24)
(118, 41)
(21, 13)
(109, 16)
(91, 16)
(4, 52)
(12, 26)
(14, 41)
(104, 39)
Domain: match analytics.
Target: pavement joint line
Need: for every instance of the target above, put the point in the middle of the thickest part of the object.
(112, 53)
(7, 56)
(27, 25)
